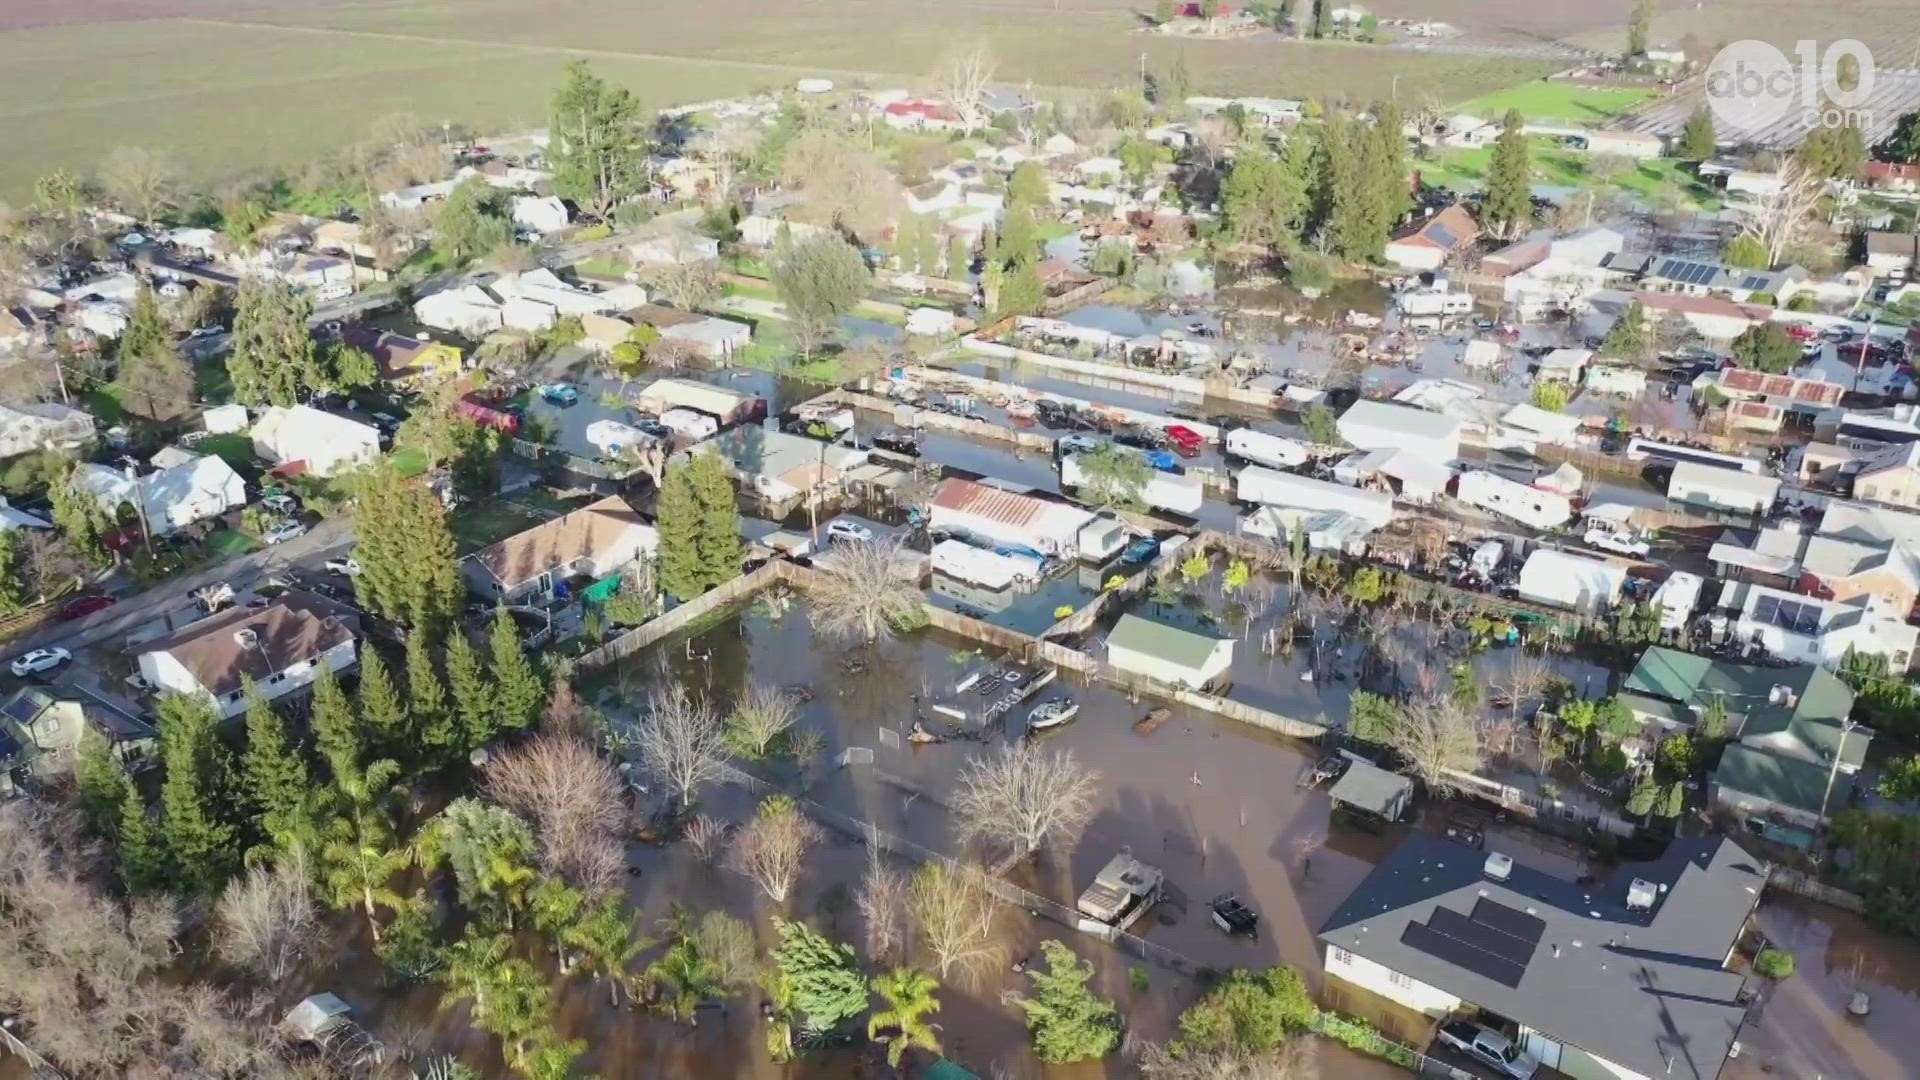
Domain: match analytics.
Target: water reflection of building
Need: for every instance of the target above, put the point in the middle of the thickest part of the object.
(991, 601)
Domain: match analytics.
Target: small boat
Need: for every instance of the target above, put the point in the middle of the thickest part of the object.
(1151, 722)
(1052, 713)
(1022, 409)
(1327, 768)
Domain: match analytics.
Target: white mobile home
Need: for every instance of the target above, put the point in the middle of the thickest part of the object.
(998, 516)
(1530, 506)
(1722, 489)
(1376, 425)
(1557, 579)
(979, 566)
(1268, 487)
(1260, 448)
(1181, 493)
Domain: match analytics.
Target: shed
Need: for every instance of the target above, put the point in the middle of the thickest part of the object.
(724, 404)
(1722, 489)
(225, 419)
(1373, 790)
(1557, 579)
(1167, 654)
(1375, 425)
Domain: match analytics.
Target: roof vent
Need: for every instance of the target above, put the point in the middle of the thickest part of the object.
(246, 638)
(1641, 895)
(1499, 867)
(1782, 696)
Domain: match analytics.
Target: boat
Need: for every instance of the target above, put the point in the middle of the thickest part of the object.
(1326, 769)
(1021, 409)
(1122, 892)
(1052, 713)
(1151, 722)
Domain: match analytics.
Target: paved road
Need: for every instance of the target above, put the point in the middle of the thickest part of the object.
(243, 572)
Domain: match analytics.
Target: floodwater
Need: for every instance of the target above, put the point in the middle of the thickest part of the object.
(599, 389)
(1803, 1028)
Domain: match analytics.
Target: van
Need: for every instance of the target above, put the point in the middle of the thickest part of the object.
(335, 290)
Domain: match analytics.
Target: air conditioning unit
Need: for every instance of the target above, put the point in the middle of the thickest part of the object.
(246, 638)
(1499, 867)
(1641, 895)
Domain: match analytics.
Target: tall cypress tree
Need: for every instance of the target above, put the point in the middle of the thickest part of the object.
(273, 772)
(336, 730)
(101, 782)
(143, 861)
(1346, 194)
(472, 702)
(382, 716)
(1322, 18)
(517, 693)
(719, 543)
(1509, 205)
(678, 515)
(435, 729)
(200, 848)
(1395, 199)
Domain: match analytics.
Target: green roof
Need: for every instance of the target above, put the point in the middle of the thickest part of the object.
(1778, 778)
(1656, 707)
(945, 1069)
(1162, 642)
(1820, 700)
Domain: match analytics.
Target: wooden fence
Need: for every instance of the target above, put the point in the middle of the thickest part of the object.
(709, 603)
(1799, 884)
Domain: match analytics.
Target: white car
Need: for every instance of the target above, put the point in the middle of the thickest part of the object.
(337, 290)
(849, 530)
(1077, 444)
(39, 660)
(348, 567)
(283, 530)
(1622, 543)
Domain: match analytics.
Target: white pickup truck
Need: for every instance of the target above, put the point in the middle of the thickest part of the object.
(1490, 1047)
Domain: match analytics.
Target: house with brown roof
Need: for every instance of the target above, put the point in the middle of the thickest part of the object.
(281, 647)
(598, 539)
(1892, 253)
(1893, 176)
(403, 359)
(1428, 244)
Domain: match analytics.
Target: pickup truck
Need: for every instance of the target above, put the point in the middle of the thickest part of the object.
(1490, 1047)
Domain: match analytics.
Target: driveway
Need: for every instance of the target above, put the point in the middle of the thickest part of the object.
(309, 550)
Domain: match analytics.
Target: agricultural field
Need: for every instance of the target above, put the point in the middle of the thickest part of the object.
(229, 86)
(1560, 102)
(1891, 28)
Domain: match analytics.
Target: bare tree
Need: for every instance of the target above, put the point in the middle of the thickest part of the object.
(267, 918)
(687, 282)
(706, 838)
(571, 794)
(962, 81)
(864, 588)
(763, 714)
(729, 946)
(956, 918)
(1023, 798)
(680, 742)
(1526, 678)
(1778, 217)
(882, 900)
(773, 847)
(845, 185)
(143, 183)
(1438, 738)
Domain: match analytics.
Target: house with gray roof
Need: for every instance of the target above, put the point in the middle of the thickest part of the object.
(1790, 726)
(1624, 977)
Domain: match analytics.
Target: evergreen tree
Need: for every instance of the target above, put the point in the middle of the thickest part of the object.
(517, 693)
(143, 860)
(1349, 197)
(101, 783)
(1396, 200)
(909, 996)
(406, 553)
(1022, 293)
(1639, 26)
(155, 383)
(1509, 204)
(472, 701)
(274, 355)
(201, 850)
(273, 773)
(1068, 1022)
(78, 516)
(820, 974)
(1027, 187)
(1698, 141)
(599, 143)
(1322, 18)
(13, 590)
(719, 543)
(1640, 801)
(1903, 145)
(1266, 199)
(435, 727)
(336, 730)
(1628, 338)
(1834, 152)
(678, 516)
(382, 716)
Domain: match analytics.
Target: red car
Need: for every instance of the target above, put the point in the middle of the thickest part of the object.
(1186, 441)
(1800, 331)
(82, 606)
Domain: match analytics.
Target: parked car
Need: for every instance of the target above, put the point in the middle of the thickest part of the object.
(385, 423)
(1186, 441)
(1489, 1046)
(206, 331)
(280, 503)
(899, 442)
(1141, 551)
(346, 567)
(283, 530)
(82, 606)
(1623, 543)
(39, 660)
(338, 290)
(560, 393)
(1077, 443)
(842, 529)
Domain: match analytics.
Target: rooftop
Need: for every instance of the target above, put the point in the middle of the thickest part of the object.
(296, 627)
(582, 534)
(1779, 778)
(1797, 709)
(1628, 970)
(1163, 642)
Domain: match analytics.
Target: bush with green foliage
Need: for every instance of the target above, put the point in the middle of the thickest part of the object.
(1068, 1022)
(1773, 964)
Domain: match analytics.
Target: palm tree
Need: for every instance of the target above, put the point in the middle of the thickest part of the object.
(607, 943)
(685, 977)
(909, 996)
(359, 862)
(471, 963)
(556, 906)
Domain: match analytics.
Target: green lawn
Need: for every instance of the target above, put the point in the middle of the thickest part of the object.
(1466, 170)
(226, 543)
(409, 461)
(602, 268)
(489, 521)
(1544, 101)
(212, 383)
(103, 401)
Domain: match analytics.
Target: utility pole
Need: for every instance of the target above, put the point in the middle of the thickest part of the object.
(1833, 770)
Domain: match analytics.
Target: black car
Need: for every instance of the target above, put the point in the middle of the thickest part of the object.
(898, 442)
(1142, 439)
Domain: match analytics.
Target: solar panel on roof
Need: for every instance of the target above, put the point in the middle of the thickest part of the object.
(23, 708)
(1481, 936)
(1766, 609)
(1754, 281)
(1462, 955)
(1511, 921)
(1440, 235)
